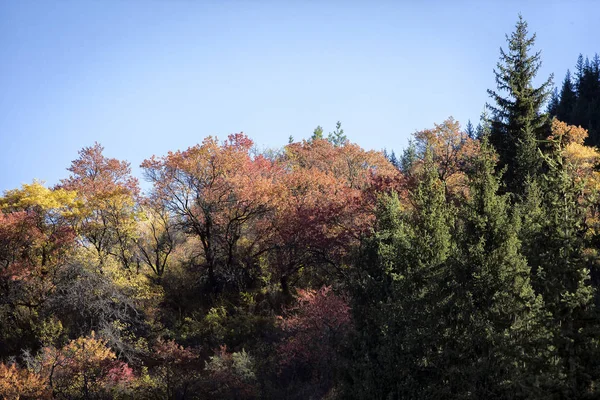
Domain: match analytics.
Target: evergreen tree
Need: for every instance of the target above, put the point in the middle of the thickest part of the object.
(317, 133)
(408, 158)
(470, 130)
(499, 338)
(553, 103)
(517, 120)
(587, 108)
(579, 99)
(483, 127)
(398, 297)
(391, 157)
(337, 137)
(568, 100)
(579, 71)
(555, 244)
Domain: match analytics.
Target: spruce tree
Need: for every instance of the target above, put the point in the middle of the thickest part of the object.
(568, 100)
(517, 120)
(553, 103)
(408, 158)
(587, 108)
(317, 133)
(555, 245)
(470, 130)
(495, 317)
(399, 294)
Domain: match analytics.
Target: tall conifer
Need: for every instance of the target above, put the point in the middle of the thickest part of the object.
(517, 120)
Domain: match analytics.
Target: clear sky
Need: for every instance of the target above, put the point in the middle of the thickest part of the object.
(144, 77)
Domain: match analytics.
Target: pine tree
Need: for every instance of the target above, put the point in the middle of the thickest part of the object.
(408, 158)
(579, 71)
(517, 120)
(587, 108)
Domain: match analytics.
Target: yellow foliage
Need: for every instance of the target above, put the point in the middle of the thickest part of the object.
(16, 383)
(36, 195)
(580, 160)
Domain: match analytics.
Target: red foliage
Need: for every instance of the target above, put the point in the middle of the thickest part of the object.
(29, 245)
(219, 193)
(316, 324)
(93, 174)
(325, 204)
(119, 372)
(172, 353)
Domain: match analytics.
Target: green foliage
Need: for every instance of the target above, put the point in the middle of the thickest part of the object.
(400, 295)
(556, 242)
(466, 269)
(337, 137)
(579, 100)
(517, 120)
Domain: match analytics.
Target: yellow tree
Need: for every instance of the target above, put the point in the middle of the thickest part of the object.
(451, 150)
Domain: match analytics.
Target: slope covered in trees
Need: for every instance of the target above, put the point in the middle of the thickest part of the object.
(468, 268)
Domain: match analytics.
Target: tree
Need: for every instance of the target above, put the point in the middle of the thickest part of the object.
(36, 241)
(451, 151)
(84, 368)
(517, 120)
(17, 383)
(314, 328)
(317, 133)
(585, 111)
(218, 193)
(337, 137)
(232, 375)
(157, 235)
(108, 195)
(568, 100)
(470, 130)
(324, 207)
(555, 248)
(398, 294)
(553, 103)
(495, 320)
(176, 371)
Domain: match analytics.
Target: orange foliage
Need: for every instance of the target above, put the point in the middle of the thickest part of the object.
(451, 150)
(107, 194)
(580, 160)
(84, 365)
(16, 384)
(325, 203)
(218, 193)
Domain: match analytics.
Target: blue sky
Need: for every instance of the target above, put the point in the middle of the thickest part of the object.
(144, 77)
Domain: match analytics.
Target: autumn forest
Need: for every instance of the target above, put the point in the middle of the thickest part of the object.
(465, 266)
